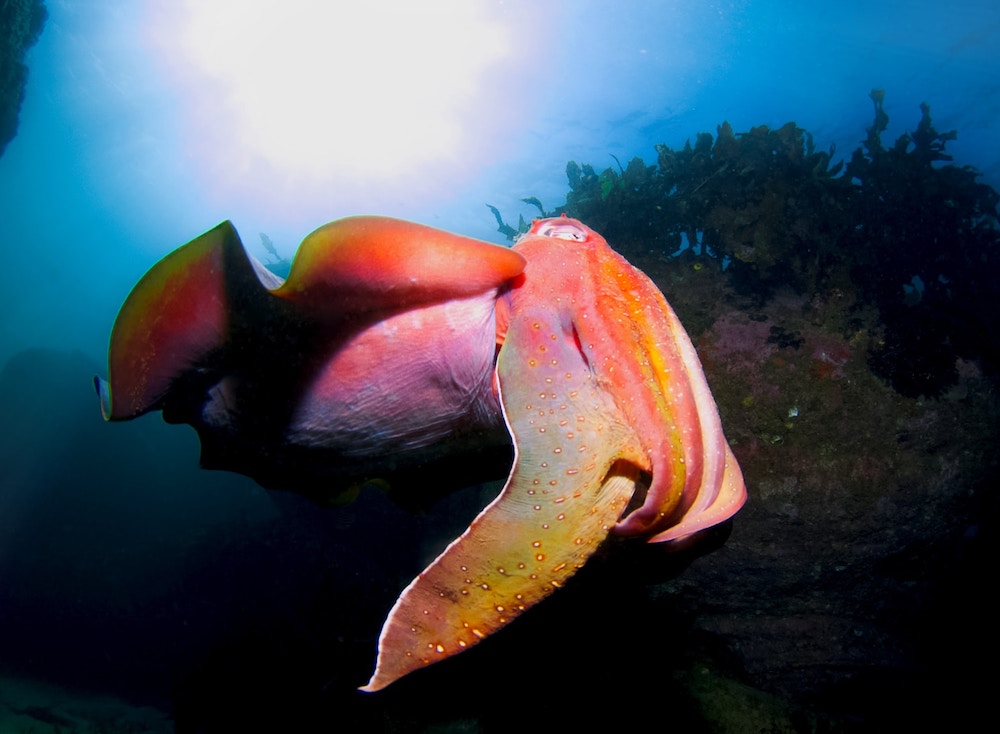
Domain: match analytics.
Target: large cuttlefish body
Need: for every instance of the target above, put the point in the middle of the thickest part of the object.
(402, 353)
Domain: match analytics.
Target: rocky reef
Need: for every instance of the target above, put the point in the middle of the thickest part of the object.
(843, 313)
(908, 241)
(835, 309)
(852, 592)
(21, 22)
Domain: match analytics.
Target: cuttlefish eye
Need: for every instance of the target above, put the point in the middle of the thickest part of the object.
(563, 231)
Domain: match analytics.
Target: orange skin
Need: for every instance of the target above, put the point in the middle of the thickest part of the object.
(557, 346)
(598, 382)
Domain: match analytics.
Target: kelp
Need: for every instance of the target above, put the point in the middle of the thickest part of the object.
(900, 230)
(925, 249)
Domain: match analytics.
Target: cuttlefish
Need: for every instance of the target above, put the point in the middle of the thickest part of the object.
(399, 354)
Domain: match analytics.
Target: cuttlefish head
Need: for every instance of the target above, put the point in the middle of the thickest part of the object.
(614, 430)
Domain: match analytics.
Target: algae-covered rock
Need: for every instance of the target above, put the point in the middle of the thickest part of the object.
(21, 23)
(898, 230)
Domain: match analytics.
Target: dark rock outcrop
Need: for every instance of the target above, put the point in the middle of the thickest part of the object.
(21, 22)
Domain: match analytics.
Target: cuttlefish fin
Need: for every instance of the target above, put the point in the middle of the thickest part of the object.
(199, 298)
(711, 508)
(576, 467)
(605, 398)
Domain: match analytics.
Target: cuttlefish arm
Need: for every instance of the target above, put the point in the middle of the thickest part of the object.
(372, 361)
(175, 315)
(601, 391)
(209, 301)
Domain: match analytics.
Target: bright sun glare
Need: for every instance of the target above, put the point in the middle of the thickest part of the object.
(313, 92)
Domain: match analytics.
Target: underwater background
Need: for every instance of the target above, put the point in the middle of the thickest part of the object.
(813, 188)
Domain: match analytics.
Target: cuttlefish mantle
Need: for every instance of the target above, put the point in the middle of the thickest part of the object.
(404, 354)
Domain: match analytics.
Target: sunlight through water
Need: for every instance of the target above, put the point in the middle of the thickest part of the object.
(318, 94)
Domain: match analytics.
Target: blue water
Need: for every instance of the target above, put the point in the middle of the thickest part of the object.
(125, 568)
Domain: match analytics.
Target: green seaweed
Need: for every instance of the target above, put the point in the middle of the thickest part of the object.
(774, 214)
